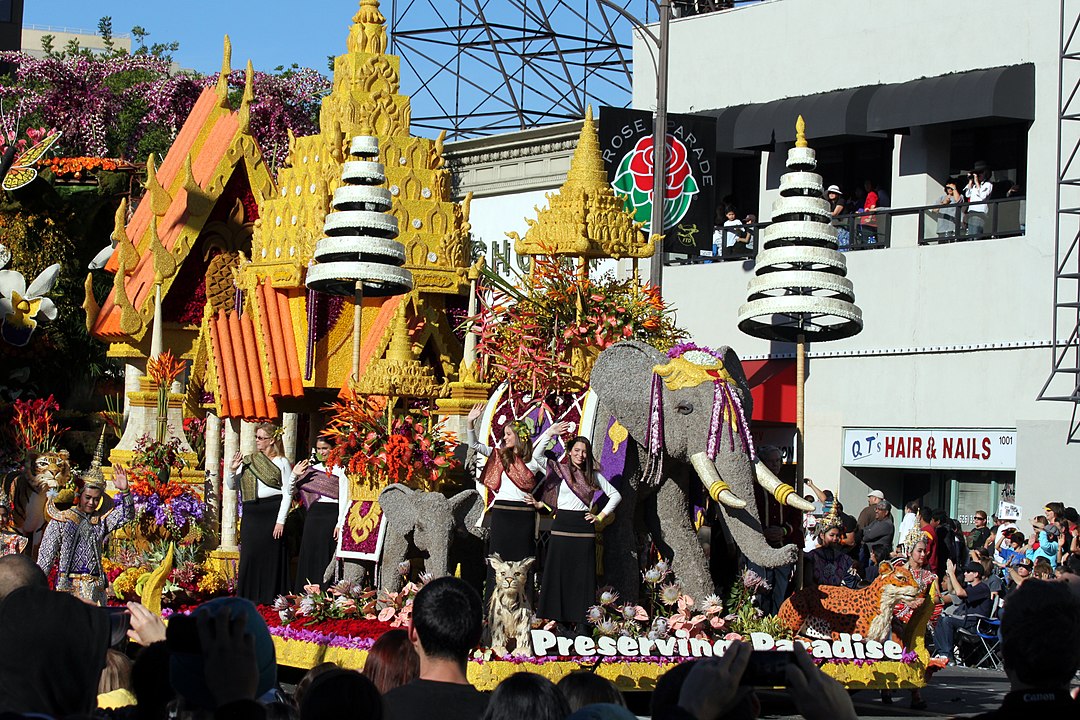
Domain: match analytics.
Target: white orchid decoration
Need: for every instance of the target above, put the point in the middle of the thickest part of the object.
(22, 307)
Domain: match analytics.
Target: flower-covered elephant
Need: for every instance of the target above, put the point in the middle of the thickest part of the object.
(684, 410)
(424, 523)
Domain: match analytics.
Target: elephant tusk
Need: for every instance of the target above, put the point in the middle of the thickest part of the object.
(719, 490)
(784, 493)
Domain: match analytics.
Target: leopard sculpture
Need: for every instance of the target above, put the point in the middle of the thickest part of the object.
(509, 611)
(825, 611)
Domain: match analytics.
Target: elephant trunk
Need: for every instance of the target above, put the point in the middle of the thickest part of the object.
(784, 493)
(719, 490)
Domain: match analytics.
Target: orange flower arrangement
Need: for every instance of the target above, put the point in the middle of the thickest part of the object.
(413, 450)
(78, 167)
(164, 369)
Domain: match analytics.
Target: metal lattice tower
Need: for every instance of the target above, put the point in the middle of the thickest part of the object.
(1064, 381)
(477, 67)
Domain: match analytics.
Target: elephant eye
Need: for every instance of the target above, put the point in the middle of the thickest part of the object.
(684, 408)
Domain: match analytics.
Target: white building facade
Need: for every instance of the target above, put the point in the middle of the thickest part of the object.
(936, 398)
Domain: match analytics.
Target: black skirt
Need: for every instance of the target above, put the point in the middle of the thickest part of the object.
(511, 534)
(317, 544)
(568, 587)
(264, 572)
(512, 530)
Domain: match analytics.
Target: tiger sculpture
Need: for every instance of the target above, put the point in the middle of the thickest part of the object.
(825, 611)
(29, 490)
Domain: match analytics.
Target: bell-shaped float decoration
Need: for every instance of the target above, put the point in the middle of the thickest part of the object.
(800, 291)
(360, 254)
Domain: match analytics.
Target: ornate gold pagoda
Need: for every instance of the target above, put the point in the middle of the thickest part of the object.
(585, 218)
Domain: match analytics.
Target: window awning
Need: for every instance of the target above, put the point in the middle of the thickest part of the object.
(725, 129)
(1002, 93)
(831, 114)
(772, 386)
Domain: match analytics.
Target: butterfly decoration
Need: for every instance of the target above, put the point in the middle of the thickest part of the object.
(22, 171)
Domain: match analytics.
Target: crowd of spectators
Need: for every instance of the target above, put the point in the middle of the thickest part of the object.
(65, 658)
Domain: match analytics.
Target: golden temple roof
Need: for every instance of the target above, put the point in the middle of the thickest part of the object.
(585, 218)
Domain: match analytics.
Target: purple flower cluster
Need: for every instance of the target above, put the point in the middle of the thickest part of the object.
(287, 632)
(174, 514)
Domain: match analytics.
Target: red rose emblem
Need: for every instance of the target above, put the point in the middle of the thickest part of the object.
(641, 166)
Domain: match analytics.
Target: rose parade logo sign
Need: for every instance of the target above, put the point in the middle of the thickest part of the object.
(626, 140)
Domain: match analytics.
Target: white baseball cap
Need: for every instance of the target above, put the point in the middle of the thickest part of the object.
(876, 493)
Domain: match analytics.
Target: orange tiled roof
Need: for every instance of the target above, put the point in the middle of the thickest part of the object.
(242, 377)
(223, 128)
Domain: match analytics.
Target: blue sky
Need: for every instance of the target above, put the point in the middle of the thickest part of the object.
(268, 32)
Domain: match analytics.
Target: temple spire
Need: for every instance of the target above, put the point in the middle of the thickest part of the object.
(245, 102)
(222, 88)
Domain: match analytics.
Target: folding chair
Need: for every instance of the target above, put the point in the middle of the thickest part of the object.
(984, 639)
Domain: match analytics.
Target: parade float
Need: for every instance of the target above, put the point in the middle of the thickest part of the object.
(330, 297)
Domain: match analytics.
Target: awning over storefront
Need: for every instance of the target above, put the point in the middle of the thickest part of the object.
(1002, 93)
(772, 385)
(832, 114)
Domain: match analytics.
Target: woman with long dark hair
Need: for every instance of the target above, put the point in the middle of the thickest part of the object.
(265, 479)
(324, 490)
(506, 484)
(570, 491)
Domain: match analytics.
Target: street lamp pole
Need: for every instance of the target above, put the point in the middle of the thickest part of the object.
(656, 225)
(656, 219)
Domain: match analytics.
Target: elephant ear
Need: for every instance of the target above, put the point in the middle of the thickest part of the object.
(735, 369)
(399, 507)
(622, 380)
(466, 507)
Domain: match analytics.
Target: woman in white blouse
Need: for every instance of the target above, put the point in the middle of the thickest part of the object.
(265, 479)
(324, 490)
(571, 490)
(506, 484)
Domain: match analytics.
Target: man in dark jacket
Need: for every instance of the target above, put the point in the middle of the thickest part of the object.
(878, 536)
(1039, 680)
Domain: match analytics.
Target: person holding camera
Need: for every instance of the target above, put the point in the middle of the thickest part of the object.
(977, 192)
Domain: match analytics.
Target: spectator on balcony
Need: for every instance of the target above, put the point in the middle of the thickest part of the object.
(836, 200)
(868, 224)
(735, 235)
(977, 192)
(948, 218)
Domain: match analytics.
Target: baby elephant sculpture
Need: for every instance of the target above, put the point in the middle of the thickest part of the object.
(509, 612)
(424, 523)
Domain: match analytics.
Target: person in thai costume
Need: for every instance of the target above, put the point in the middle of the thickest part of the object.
(829, 563)
(80, 525)
(570, 490)
(324, 491)
(11, 541)
(915, 545)
(506, 484)
(265, 479)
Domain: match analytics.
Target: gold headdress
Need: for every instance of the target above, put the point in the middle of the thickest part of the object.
(523, 429)
(830, 521)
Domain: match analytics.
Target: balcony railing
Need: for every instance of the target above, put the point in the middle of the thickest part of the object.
(933, 224)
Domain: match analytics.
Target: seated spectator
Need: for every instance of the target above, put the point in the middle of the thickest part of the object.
(309, 677)
(582, 687)
(1042, 570)
(1045, 541)
(979, 534)
(1038, 678)
(392, 661)
(968, 600)
(602, 711)
(54, 652)
(526, 695)
(711, 689)
(18, 571)
(220, 623)
(114, 686)
(446, 625)
(337, 689)
(1020, 572)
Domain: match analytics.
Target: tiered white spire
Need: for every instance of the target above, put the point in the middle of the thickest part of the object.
(360, 255)
(800, 291)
